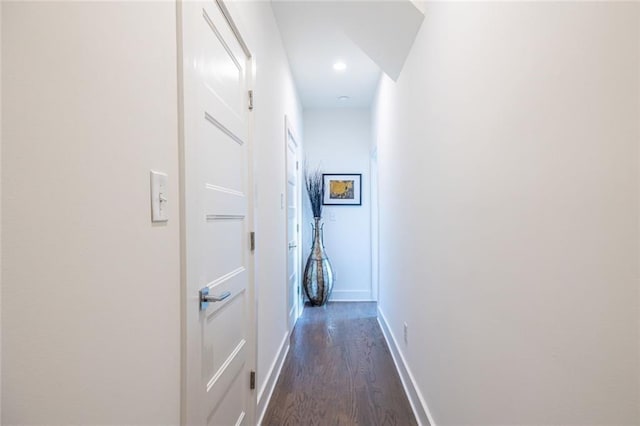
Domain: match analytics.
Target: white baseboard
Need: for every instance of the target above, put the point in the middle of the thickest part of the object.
(348, 300)
(418, 404)
(351, 296)
(266, 390)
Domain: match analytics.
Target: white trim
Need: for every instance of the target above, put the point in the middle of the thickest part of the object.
(266, 390)
(351, 296)
(360, 300)
(222, 4)
(290, 135)
(375, 224)
(418, 404)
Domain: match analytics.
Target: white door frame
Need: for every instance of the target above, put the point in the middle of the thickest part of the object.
(225, 6)
(375, 226)
(289, 133)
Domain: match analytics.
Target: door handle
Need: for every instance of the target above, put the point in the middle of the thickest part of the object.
(292, 245)
(205, 298)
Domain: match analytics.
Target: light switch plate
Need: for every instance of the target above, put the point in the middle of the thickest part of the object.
(159, 201)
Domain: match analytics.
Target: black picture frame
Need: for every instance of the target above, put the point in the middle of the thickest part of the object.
(347, 189)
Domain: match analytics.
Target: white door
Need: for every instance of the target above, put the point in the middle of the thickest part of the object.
(294, 304)
(216, 218)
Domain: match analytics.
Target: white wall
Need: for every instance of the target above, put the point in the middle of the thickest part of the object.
(0, 212)
(339, 140)
(274, 95)
(508, 171)
(91, 289)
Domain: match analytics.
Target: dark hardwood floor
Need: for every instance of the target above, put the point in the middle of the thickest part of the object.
(339, 371)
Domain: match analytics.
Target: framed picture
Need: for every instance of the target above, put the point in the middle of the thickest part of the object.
(342, 189)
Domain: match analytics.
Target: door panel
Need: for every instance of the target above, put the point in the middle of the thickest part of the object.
(223, 153)
(216, 217)
(221, 343)
(294, 307)
(230, 403)
(220, 262)
(226, 392)
(221, 63)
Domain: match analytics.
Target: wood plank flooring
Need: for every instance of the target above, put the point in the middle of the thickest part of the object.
(339, 371)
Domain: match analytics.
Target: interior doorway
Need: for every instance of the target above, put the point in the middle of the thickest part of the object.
(295, 302)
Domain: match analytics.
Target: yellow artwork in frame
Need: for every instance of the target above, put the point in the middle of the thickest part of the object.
(341, 190)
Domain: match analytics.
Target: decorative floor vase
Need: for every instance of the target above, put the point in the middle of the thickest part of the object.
(318, 274)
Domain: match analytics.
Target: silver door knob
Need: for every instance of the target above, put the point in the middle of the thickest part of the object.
(205, 297)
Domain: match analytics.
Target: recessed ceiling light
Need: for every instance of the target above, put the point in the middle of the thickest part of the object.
(343, 98)
(339, 66)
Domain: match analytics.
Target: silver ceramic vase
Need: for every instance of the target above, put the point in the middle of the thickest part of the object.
(318, 274)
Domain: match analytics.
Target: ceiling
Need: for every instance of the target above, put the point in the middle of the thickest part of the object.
(370, 37)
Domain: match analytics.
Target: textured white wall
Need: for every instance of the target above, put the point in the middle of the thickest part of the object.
(275, 96)
(339, 140)
(508, 171)
(91, 289)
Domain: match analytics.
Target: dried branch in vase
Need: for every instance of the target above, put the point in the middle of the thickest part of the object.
(313, 182)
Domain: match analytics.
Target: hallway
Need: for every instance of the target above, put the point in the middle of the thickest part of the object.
(480, 190)
(339, 371)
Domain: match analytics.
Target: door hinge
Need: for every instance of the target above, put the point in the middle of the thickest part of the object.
(297, 227)
(252, 238)
(250, 100)
(297, 165)
(252, 380)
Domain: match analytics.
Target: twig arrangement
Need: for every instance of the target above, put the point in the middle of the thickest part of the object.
(313, 182)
